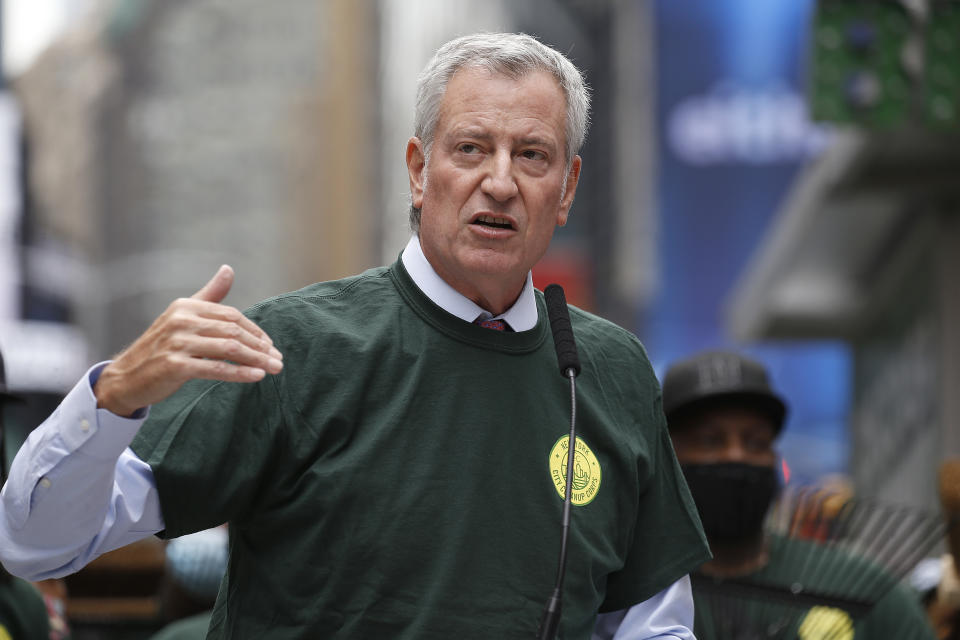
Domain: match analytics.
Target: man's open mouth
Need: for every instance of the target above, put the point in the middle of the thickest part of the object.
(493, 222)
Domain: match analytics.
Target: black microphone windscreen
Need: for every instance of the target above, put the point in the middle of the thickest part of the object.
(563, 340)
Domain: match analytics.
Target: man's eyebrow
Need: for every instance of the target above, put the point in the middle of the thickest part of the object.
(536, 141)
(479, 133)
(471, 132)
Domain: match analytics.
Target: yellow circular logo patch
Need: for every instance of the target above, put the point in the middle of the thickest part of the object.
(586, 471)
(822, 623)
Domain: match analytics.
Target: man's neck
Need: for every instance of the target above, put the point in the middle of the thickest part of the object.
(521, 313)
(492, 294)
(495, 298)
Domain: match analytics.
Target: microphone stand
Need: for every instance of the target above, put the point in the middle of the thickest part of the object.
(569, 363)
(550, 620)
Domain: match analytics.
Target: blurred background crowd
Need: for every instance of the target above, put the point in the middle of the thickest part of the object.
(775, 177)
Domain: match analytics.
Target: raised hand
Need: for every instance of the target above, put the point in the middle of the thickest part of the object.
(196, 337)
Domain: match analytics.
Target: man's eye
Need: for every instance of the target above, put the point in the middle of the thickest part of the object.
(758, 444)
(710, 441)
(532, 154)
(468, 148)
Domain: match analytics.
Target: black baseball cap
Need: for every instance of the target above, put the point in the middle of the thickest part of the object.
(720, 376)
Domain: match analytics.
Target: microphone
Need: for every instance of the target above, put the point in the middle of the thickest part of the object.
(562, 331)
(569, 362)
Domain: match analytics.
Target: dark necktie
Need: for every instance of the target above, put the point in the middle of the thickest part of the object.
(492, 323)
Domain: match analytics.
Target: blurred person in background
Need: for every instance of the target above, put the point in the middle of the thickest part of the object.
(25, 612)
(389, 475)
(937, 581)
(724, 419)
(194, 568)
(944, 605)
(937, 578)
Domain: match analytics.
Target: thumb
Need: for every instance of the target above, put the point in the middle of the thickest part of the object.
(218, 287)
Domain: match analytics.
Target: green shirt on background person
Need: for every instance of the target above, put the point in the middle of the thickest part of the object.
(891, 609)
(23, 614)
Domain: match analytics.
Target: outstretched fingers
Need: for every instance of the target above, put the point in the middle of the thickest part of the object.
(229, 315)
(227, 348)
(211, 320)
(194, 367)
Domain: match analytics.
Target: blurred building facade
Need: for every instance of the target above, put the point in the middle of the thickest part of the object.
(733, 131)
(166, 138)
(866, 248)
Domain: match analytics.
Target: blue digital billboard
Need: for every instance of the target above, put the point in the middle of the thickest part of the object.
(733, 131)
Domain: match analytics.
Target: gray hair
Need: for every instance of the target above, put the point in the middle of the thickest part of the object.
(512, 54)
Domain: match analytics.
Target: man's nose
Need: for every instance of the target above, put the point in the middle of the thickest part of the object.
(734, 451)
(499, 183)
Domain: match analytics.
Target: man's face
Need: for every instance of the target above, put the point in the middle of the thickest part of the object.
(725, 434)
(491, 193)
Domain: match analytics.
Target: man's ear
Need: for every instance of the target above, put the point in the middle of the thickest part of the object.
(416, 165)
(572, 178)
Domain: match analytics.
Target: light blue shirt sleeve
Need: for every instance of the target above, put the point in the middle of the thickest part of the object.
(666, 616)
(77, 468)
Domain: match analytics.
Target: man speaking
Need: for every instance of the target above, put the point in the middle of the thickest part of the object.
(398, 472)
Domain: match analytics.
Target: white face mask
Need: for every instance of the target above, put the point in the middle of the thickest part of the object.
(197, 561)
